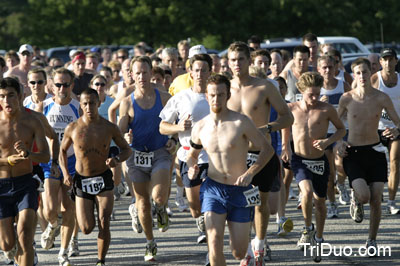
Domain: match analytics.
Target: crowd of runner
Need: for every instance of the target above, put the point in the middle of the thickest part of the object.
(234, 131)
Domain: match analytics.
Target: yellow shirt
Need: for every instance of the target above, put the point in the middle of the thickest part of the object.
(180, 83)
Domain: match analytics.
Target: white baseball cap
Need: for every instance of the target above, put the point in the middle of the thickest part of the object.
(25, 48)
(197, 49)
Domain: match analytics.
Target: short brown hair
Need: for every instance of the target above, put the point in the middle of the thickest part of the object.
(260, 52)
(308, 80)
(239, 47)
(38, 70)
(63, 70)
(141, 59)
(360, 61)
(201, 57)
(220, 79)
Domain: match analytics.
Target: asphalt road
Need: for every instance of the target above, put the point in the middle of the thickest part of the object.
(178, 245)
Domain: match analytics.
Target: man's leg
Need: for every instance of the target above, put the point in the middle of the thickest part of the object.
(160, 183)
(287, 180)
(215, 226)
(26, 226)
(393, 180)
(68, 222)
(50, 200)
(320, 215)
(193, 196)
(306, 201)
(361, 190)
(7, 234)
(261, 216)
(105, 203)
(85, 214)
(239, 237)
(375, 204)
(143, 205)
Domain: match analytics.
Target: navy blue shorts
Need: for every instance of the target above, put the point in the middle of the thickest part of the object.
(16, 194)
(229, 199)
(91, 190)
(316, 170)
(367, 162)
(268, 176)
(203, 173)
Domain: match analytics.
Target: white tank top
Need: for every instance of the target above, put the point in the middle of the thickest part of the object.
(59, 116)
(394, 94)
(120, 86)
(28, 103)
(340, 76)
(333, 98)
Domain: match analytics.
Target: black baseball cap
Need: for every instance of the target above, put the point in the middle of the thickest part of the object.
(388, 52)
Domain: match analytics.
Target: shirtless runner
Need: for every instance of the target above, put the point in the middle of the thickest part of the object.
(227, 192)
(93, 183)
(19, 197)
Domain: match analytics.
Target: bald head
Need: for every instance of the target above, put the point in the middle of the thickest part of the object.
(375, 65)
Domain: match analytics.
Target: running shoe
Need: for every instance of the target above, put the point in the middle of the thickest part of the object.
(99, 263)
(356, 210)
(306, 237)
(285, 226)
(10, 255)
(35, 256)
(181, 204)
(151, 251)
(48, 236)
(202, 238)
(392, 209)
(258, 255)
(73, 249)
(372, 248)
(291, 193)
(136, 226)
(64, 260)
(169, 211)
(317, 250)
(207, 260)
(162, 218)
(344, 197)
(200, 222)
(332, 210)
(267, 253)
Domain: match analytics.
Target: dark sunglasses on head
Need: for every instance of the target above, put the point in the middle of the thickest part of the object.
(58, 85)
(39, 82)
(99, 84)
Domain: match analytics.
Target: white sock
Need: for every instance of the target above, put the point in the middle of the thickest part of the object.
(319, 240)
(179, 192)
(54, 224)
(149, 241)
(62, 252)
(258, 244)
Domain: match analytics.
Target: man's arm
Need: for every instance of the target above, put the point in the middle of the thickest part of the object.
(375, 80)
(285, 118)
(65, 144)
(124, 117)
(43, 156)
(333, 117)
(194, 152)
(260, 142)
(391, 133)
(126, 151)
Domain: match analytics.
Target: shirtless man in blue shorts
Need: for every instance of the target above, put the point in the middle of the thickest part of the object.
(308, 161)
(227, 192)
(19, 197)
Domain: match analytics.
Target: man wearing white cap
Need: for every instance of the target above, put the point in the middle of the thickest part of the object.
(20, 71)
(184, 81)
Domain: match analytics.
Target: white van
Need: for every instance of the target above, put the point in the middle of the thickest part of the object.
(347, 46)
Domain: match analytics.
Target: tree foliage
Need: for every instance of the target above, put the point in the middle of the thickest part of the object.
(215, 23)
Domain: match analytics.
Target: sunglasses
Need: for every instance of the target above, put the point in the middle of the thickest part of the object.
(121, 57)
(58, 85)
(99, 84)
(116, 71)
(39, 82)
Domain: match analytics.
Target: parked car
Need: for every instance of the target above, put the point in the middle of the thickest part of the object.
(347, 46)
(377, 47)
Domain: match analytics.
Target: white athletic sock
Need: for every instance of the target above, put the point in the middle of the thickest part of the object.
(62, 252)
(149, 241)
(258, 244)
(319, 240)
(179, 192)
(310, 227)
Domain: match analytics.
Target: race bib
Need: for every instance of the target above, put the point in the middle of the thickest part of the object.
(251, 159)
(60, 133)
(252, 197)
(144, 159)
(93, 185)
(317, 167)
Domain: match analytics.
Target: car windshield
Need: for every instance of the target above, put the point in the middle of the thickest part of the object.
(347, 48)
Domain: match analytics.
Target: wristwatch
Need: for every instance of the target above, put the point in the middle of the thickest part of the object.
(117, 159)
